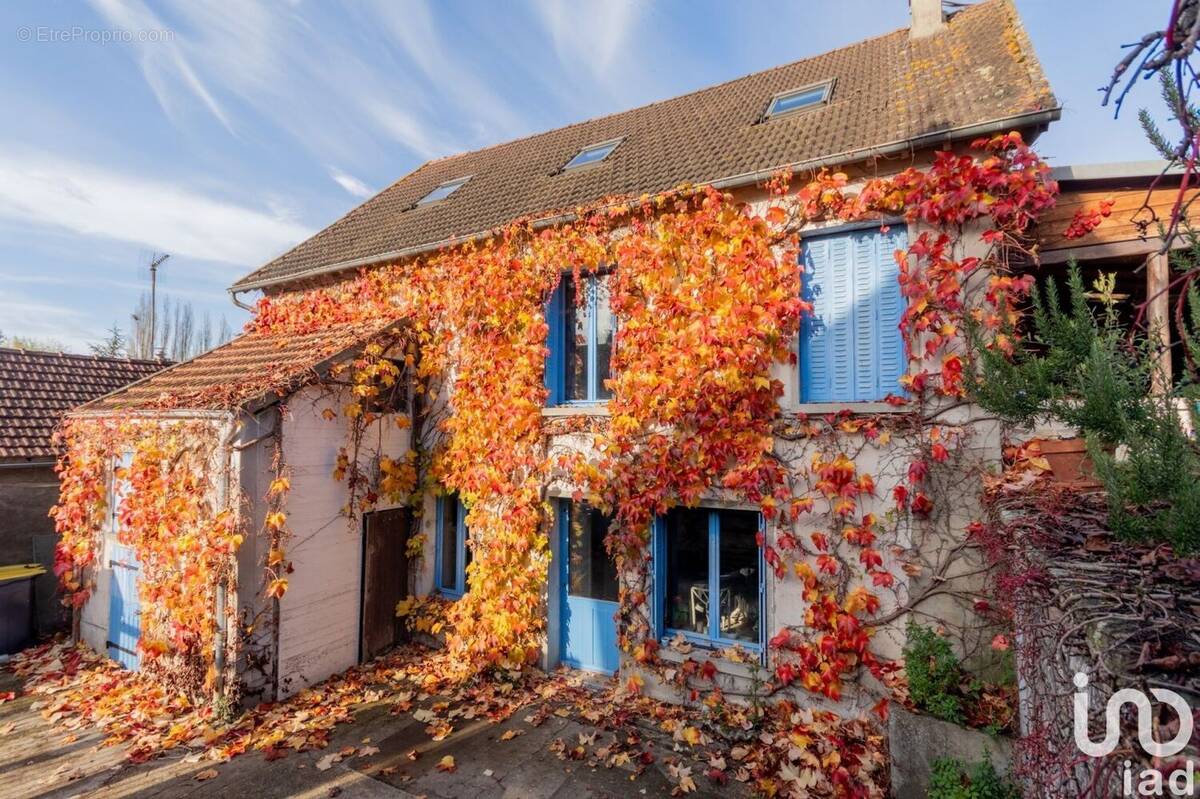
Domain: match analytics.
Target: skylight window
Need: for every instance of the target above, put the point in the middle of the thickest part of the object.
(593, 154)
(443, 191)
(799, 99)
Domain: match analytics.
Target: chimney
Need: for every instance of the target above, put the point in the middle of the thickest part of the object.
(927, 18)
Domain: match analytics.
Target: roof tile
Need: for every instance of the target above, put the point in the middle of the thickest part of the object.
(37, 388)
(981, 68)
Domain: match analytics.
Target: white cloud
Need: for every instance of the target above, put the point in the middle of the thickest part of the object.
(45, 190)
(29, 318)
(411, 25)
(162, 59)
(350, 183)
(407, 129)
(590, 34)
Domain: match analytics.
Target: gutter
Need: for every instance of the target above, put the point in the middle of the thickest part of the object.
(1028, 119)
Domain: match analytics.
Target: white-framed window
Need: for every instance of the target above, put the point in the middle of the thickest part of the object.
(443, 190)
(592, 154)
(794, 100)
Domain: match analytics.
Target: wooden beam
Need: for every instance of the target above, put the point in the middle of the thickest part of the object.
(1117, 249)
(1158, 318)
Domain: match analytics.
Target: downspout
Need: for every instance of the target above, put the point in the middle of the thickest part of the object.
(226, 449)
(233, 296)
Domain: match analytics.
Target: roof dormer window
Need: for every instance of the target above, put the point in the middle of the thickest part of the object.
(592, 154)
(800, 99)
(443, 190)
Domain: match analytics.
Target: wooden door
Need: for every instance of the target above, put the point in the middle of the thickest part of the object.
(384, 579)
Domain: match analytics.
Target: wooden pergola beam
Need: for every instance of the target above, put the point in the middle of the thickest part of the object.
(1158, 318)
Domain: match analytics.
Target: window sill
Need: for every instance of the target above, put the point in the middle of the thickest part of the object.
(577, 409)
(856, 408)
(724, 665)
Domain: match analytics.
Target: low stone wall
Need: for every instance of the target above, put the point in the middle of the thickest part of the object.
(915, 741)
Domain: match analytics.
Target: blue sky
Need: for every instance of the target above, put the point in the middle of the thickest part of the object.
(235, 130)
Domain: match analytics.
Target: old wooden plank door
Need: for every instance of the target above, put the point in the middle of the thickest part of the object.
(384, 579)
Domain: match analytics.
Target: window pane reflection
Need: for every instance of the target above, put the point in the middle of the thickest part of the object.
(739, 575)
(591, 572)
(605, 327)
(576, 316)
(449, 543)
(685, 605)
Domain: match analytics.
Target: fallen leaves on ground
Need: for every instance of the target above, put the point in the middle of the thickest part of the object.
(789, 751)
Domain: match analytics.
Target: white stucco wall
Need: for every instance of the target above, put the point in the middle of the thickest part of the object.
(319, 614)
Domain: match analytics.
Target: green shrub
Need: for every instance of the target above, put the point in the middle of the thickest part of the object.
(1085, 370)
(953, 779)
(935, 675)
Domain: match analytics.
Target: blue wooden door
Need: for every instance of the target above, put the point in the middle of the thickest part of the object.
(124, 610)
(589, 590)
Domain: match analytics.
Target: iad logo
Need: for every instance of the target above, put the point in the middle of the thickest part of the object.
(1150, 781)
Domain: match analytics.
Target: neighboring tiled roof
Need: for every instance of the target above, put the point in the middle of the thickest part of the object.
(890, 89)
(36, 388)
(250, 367)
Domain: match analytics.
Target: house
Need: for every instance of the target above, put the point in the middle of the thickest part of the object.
(872, 109)
(36, 389)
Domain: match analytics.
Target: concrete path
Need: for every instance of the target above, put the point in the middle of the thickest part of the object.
(36, 761)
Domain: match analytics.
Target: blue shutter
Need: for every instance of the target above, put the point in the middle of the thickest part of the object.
(863, 311)
(851, 349)
(554, 342)
(814, 358)
(890, 307)
(826, 345)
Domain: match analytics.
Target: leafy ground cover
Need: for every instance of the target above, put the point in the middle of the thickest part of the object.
(792, 751)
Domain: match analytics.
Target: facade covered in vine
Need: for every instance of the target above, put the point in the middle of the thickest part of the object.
(674, 394)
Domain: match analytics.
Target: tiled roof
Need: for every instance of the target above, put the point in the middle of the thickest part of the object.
(890, 89)
(36, 388)
(249, 367)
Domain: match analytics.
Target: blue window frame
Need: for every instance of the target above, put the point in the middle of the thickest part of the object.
(592, 154)
(851, 349)
(452, 555)
(580, 341)
(701, 553)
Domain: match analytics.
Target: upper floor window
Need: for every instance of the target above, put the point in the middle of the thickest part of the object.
(799, 99)
(709, 570)
(851, 349)
(443, 190)
(581, 336)
(452, 555)
(592, 154)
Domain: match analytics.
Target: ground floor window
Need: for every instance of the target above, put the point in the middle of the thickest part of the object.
(452, 555)
(709, 570)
